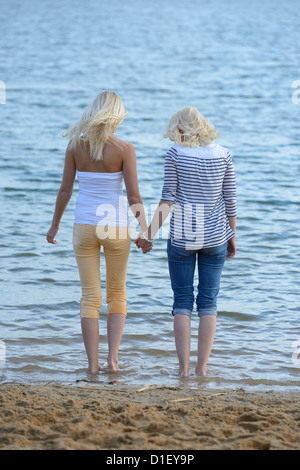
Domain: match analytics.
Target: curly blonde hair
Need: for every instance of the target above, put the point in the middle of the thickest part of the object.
(189, 128)
(98, 123)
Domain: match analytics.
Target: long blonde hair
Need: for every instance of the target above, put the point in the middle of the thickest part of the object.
(189, 128)
(98, 123)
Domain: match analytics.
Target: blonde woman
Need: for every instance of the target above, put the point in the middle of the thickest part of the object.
(101, 162)
(199, 183)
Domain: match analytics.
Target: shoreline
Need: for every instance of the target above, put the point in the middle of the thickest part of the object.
(118, 417)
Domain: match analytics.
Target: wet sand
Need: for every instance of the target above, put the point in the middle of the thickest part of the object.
(87, 416)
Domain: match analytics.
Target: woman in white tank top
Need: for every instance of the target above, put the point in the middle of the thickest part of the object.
(101, 162)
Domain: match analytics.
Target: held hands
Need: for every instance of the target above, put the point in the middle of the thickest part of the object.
(143, 243)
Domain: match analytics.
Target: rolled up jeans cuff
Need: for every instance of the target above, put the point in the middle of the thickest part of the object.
(207, 311)
(182, 311)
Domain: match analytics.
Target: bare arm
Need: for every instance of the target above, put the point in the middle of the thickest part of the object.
(64, 195)
(162, 211)
(168, 195)
(160, 215)
(165, 204)
(132, 187)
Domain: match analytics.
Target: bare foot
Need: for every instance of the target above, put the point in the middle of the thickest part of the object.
(201, 370)
(94, 371)
(112, 366)
(183, 373)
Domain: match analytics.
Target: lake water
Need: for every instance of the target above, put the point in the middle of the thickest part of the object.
(236, 62)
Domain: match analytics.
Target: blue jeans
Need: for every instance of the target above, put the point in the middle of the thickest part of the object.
(182, 265)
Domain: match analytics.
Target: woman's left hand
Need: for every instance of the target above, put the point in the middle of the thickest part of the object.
(52, 233)
(231, 248)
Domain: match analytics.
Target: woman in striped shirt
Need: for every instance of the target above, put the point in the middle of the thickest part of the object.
(199, 185)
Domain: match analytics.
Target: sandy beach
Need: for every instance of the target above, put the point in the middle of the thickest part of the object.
(87, 416)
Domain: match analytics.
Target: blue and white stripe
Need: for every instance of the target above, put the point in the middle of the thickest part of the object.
(201, 184)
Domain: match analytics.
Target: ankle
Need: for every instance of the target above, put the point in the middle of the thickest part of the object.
(93, 370)
(112, 363)
(201, 369)
(183, 371)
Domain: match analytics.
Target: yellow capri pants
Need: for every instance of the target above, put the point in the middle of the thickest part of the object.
(87, 242)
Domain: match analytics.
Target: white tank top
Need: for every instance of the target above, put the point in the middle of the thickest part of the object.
(100, 200)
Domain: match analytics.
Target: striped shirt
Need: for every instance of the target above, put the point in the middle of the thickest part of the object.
(201, 184)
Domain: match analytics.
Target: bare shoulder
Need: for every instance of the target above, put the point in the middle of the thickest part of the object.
(70, 149)
(74, 147)
(129, 150)
(123, 144)
(125, 149)
(78, 150)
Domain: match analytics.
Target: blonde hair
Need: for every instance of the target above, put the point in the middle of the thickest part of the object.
(98, 123)
(188, 127)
